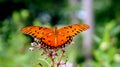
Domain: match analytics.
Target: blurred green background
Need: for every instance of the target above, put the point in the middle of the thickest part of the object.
(105, 31)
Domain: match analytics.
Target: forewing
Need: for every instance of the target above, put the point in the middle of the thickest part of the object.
(36, 31)
(66, 33)
(73, 29)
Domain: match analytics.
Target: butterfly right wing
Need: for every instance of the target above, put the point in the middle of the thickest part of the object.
(73, 30)
(65, 34)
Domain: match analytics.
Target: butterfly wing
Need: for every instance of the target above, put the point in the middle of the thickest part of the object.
(63, 39)
(74, 29)
(36, 31)
(66, 33)
(45, 34)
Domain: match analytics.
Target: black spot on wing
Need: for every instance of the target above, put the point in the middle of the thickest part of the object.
(75, 29)
(35, 36)
(72, 30)
(32, 34)
(43, 33)
(43, 38)
(37, 32)
(67, 31)
(65, 27)
(40, 28)
(68, 37)
(44, 28)
(70, 26)
(49, 41)
(75, 33)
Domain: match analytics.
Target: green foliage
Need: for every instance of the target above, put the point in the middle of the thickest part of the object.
(13, 44)
(106, 53)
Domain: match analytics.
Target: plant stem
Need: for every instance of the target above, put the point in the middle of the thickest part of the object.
(53, 63)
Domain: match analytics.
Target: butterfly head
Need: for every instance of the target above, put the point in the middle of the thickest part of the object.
(55, 29)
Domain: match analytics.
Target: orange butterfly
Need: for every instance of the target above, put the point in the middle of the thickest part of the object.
(57, 38)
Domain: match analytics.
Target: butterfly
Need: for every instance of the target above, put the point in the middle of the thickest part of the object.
(54, 38)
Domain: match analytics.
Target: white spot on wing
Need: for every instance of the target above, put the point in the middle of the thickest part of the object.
(59, 32)
(50, 34)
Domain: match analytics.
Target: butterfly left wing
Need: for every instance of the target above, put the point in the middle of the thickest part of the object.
(36, 31)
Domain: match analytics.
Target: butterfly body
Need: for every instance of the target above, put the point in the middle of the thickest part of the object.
(56, 38)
